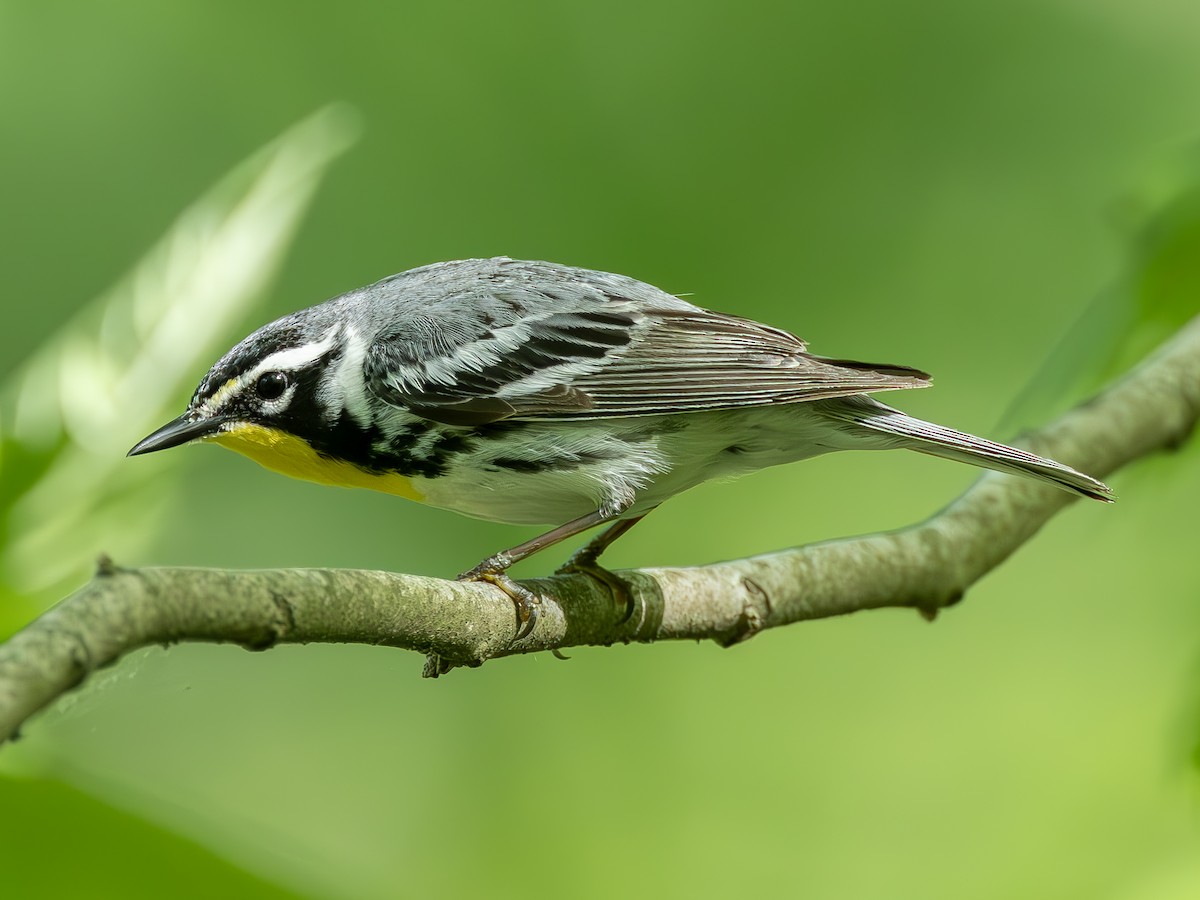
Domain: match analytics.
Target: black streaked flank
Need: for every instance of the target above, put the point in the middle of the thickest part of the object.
(365, 447)
(528, 466)
(560, 461)
(403, 457)
(402, 443)
(413, 467)
(451, 442)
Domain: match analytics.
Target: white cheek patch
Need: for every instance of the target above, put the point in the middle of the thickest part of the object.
(345, 387)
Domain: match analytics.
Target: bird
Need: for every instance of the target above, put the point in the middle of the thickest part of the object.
(535, 393)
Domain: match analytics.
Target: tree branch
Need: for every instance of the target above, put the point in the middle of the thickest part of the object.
(925, 566)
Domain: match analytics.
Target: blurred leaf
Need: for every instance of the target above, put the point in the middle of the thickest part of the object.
(113, 854)
(1077, 364)
(1166, 266)
(109, 375)
(1156, 294)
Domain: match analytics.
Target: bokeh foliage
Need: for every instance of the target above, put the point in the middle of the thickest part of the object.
(122, 359)
(935, 183)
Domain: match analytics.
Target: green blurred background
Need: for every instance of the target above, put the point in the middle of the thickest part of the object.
(942, 184)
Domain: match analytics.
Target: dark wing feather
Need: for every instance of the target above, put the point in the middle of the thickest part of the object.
(704, 360)
(524, 366)
(611, 362)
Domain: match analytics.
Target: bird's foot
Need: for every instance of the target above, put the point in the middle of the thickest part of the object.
(584, 562)
(492, 570)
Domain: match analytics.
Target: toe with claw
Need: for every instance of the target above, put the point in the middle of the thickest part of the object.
(527, 603)
(584, 563)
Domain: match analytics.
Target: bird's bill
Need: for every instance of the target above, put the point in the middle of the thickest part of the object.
(179, 431)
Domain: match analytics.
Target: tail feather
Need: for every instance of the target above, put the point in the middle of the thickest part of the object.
(936, 440)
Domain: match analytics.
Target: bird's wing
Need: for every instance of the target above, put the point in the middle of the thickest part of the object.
(606, 360)
(688, 361)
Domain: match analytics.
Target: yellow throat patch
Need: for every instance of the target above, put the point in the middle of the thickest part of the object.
(282, 452)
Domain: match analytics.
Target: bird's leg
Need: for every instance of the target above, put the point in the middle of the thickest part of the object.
(493, 569)
(584, 562)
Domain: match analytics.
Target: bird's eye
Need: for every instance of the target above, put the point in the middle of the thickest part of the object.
(271, 385)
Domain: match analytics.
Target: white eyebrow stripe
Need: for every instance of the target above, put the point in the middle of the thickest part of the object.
(293, 358)
(283, 360)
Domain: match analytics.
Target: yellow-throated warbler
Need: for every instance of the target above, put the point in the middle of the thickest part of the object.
(534, 393)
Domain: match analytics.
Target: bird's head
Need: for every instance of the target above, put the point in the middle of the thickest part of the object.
(279, 382)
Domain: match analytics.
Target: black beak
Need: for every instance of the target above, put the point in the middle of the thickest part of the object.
(178, 431)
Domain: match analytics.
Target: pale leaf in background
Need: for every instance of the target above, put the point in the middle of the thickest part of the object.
(113, 372)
